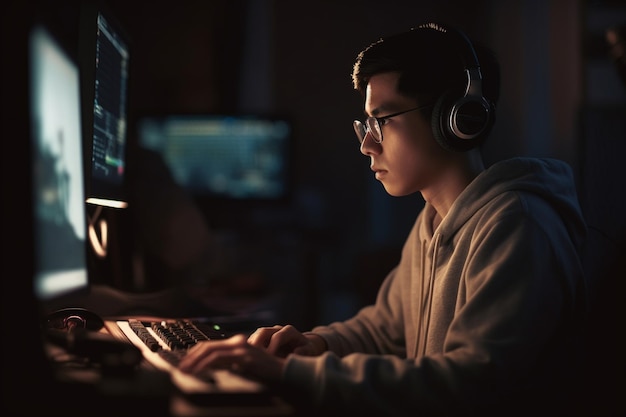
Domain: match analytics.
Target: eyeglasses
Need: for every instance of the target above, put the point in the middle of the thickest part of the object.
(373, 125)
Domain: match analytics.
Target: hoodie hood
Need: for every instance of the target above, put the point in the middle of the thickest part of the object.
(550, 179)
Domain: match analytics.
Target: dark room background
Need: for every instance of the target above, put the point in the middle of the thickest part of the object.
(320, 256)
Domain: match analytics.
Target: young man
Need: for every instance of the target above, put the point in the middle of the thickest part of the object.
(486, 307)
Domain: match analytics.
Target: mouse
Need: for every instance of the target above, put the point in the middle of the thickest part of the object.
(73, 317)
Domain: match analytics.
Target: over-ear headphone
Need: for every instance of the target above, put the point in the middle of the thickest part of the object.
(462, 119)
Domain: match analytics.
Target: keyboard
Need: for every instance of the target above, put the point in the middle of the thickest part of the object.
(163, 342)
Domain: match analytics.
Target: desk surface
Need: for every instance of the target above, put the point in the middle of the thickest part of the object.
(79, 386)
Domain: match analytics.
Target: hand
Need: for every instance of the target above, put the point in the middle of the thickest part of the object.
(283, 340)
(235, 354)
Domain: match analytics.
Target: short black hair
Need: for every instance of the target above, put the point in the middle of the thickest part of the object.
(430, 62)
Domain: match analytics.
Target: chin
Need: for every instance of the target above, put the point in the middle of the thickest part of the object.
(394, 192)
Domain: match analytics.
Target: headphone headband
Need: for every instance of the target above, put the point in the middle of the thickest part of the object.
(465, 47)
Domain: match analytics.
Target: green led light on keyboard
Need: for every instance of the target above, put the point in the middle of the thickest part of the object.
(216, 327)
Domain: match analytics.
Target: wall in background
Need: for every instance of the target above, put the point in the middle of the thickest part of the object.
(274, 57)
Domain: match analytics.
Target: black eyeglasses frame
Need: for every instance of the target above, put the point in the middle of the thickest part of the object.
(375, 129)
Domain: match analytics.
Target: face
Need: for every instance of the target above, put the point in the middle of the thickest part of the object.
(408, 159)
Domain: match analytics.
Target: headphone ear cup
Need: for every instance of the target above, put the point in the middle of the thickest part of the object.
(472, 118)
(440, 117)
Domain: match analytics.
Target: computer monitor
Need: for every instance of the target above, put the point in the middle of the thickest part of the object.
(104, 48)
(59, 215)
(104, 51)
(224, 156)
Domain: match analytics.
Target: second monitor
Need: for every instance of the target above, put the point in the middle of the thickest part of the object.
(231, 157)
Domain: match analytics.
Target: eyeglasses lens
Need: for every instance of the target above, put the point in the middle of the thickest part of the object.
(374, 128)
(359, 129)
(371, 125)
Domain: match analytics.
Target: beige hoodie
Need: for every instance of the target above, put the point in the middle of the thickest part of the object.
(482, 313)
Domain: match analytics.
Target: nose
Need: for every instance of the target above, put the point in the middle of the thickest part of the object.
(369, 145)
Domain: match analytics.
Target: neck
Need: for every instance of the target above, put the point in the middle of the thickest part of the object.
(454, 179)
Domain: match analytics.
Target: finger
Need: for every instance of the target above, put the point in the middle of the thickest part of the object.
(194, 356)
(305, 350)
(285, 340)
(200, 354)
(220, 359)
(262, 336)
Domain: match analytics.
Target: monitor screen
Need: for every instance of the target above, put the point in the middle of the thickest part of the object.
(59, 215)
(104, 48)
(232, 157)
